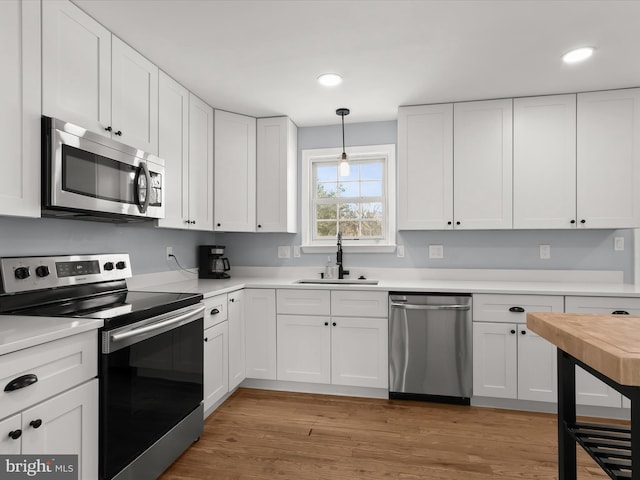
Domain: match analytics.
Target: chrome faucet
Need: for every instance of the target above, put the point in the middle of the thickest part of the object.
(341, 271)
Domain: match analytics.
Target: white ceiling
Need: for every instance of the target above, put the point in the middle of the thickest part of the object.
(262, 57)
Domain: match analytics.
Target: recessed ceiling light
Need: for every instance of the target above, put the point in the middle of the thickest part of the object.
(329, 79)
(577, 55)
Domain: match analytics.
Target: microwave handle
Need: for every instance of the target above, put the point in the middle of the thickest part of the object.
(142, 205)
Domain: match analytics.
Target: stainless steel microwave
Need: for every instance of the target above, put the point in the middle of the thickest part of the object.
(88, 176)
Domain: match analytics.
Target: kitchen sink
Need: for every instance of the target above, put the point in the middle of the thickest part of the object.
(322, 281)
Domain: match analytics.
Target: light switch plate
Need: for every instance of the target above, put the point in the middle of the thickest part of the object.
(618, 244)
(436, 251)
(296, 251)
(284, 251)
(400, 251)
(545, 252)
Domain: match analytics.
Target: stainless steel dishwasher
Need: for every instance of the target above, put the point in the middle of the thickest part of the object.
(430, 347)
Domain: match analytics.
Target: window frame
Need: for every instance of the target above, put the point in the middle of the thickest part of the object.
(387, 153)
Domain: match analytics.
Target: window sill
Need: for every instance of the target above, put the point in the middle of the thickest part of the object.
(349, 248)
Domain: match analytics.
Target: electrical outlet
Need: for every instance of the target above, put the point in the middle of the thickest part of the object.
(296, 251)
(169, 252)
(436, 251)
(284, 251)
(618, 244)
(545, 252)
(400, 251)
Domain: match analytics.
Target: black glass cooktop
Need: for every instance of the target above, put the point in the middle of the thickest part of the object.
(115, 308)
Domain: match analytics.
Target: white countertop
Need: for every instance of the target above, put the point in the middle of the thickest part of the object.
(18, 332)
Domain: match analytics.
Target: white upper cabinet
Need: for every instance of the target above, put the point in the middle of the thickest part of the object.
(608, 158)
(76, 67)
(173, 148)
(544, 162)
(95, 80)
(20, 112)
(277, 166)
(425, 167)
(134, 97)
(235, 172)
(482, 167)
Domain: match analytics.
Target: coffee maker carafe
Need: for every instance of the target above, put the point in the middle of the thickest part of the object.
(212, 263)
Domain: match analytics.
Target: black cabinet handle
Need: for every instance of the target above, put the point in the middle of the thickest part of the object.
(449, 223)
(219, 224)
(573, 221)
(583, 221)
(21, 382)
(232, 300)
(516, 309)
(457, 223)
(523, 332)
(206, 339)
(118, 133)
(36, 423)
(108, 129)
(259, 226)
(334, 324)
(215, 311)
(513, 332)
(619, 312)
(326, 324)
(15, 434)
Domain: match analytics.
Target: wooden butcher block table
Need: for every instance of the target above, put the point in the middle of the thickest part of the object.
(608, 347)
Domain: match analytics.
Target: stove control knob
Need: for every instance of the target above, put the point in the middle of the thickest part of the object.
(22, 272)
(121, 265)
(108, 266)
(42, 271)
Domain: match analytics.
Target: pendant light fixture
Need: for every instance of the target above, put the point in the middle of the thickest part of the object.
(344, 160)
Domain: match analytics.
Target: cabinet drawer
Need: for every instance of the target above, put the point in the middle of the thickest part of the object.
(602, 305)
(513, 308)
(304, 302)
(58, 365)
(351, 303)
(215, 310)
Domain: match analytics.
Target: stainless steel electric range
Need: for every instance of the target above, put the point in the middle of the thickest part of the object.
(151, 354)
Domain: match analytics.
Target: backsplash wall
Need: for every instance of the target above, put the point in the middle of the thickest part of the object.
(508, 249)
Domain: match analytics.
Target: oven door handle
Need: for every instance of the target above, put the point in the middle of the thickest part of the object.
(116, 337)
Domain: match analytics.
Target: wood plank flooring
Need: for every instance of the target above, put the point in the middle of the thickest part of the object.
(260, 434)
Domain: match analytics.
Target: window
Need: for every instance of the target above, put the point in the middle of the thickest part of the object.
(360, 205)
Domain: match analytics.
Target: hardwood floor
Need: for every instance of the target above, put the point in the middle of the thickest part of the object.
(259, 434)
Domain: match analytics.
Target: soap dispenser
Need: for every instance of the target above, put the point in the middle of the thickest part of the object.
(329, 269)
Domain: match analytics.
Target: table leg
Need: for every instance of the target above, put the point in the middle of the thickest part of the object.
(566, 416)
(635, 434)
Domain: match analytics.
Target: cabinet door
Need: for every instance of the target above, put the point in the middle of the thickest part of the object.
(20, 112)
(235, 172)
(608, 154)
(69, 426)
(134, 98)
(173, 148)
(425, 167)
(260, 339)
(537, 367)
(216, 364)
(235, 315)
(590, 390)
(482, 164)
(359, 352)
(200, 164)
(304, 348)
(9, 445)
(76, 67)
(277, 166)
(495, 372)
(544, 162)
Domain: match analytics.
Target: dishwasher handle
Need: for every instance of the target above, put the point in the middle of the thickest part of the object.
(413, 306)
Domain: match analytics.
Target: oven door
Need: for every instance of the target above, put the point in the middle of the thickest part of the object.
(87, 172)
(150, 380)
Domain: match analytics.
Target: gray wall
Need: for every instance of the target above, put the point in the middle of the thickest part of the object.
(572, 249)
(577, 249)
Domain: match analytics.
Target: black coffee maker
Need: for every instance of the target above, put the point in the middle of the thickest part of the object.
(212, 263)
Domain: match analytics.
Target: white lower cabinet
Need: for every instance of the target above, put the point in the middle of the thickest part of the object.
(216, 363)
(509, 360)
(235, 314)
(338, 346)
(260, 335)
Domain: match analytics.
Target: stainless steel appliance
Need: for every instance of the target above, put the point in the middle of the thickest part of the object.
(430, 347)
(151, 354)
(92, 177)
(212, 264)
